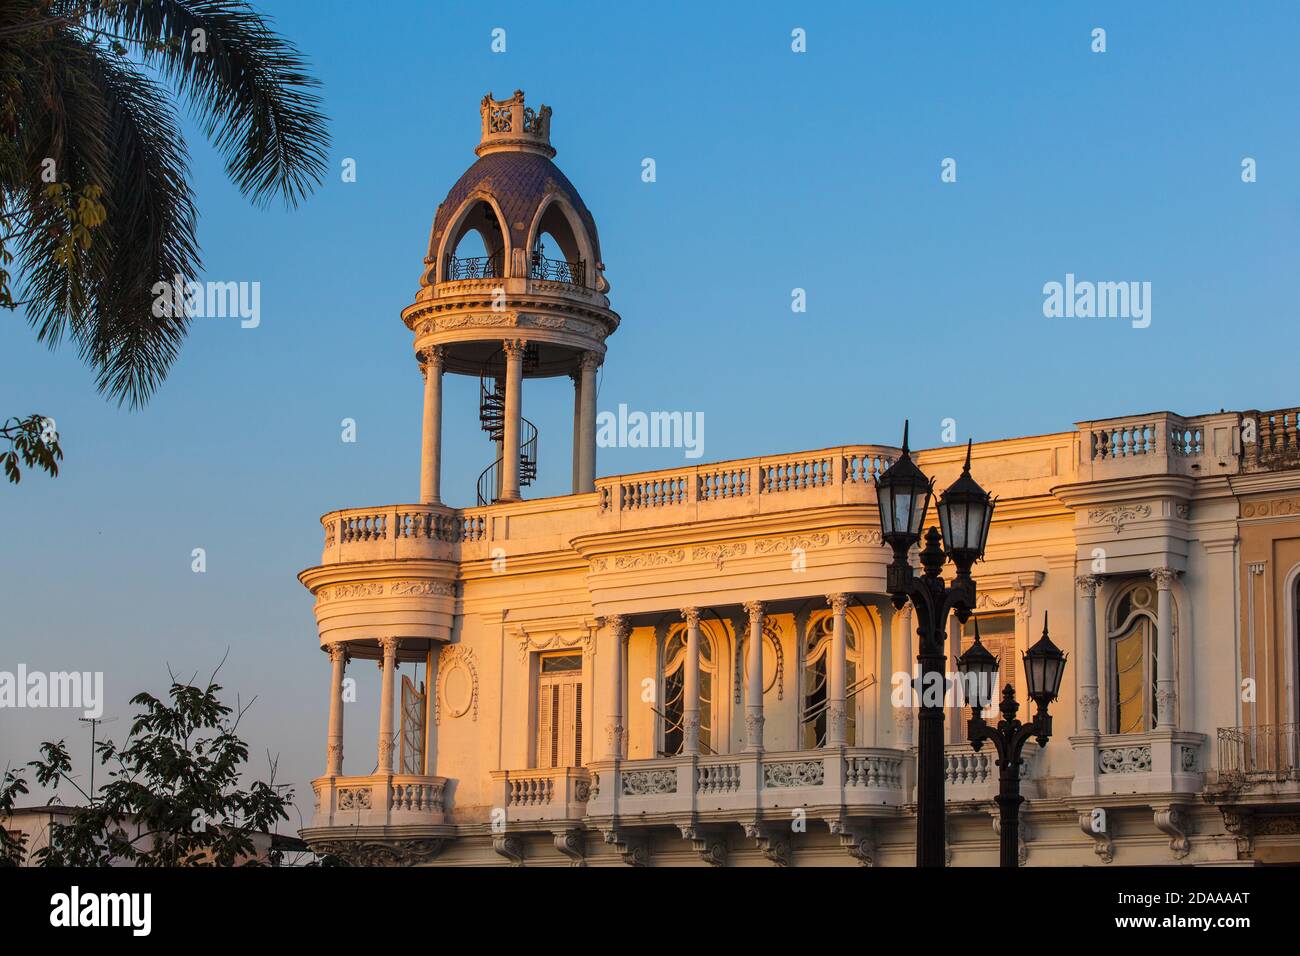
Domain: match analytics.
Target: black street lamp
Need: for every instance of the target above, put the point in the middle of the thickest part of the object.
(965, 509)
(1044, 667)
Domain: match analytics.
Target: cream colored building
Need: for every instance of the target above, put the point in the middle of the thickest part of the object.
(576, 681)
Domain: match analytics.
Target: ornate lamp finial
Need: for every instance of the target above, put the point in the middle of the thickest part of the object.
(509, 125)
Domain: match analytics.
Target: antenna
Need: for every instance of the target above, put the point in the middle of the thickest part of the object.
(94, 723)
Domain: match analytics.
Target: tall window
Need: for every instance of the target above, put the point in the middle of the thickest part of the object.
(998, 634)
(559, 711)
(1131, 641)
(816, 678)
(674, 684)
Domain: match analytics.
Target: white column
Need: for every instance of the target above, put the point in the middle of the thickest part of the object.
(884, 686)
(754, 690)
(334, 744)
(431, 443)
(618, 628)
(1085, 644)
(691, 683)
(577, 431)
(512, 427)
(1166, 690)
(430, 673)
(835, 715)
(587, 451)
(906, 663)
(388, 682)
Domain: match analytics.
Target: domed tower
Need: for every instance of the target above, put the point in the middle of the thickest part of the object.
(532, 304)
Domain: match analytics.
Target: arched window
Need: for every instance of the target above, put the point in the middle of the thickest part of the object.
(477, 250)
(1132, 642)
(674, 695)
(816, 678)
(556, 253)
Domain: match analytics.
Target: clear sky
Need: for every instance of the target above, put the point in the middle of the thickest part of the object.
(775, 171)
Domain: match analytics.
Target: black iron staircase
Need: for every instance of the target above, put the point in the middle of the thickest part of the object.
(492, 417)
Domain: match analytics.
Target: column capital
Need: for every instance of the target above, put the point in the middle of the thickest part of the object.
(338, 651)
(431, 357)
(514, 348)
(691, 615)
(755, 610)
(1164, 577)
(589, 362)
(1087, 585)
(618, 623)
(389, 645)
(839, 603)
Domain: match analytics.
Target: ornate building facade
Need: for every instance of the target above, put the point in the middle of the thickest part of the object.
(701, 665)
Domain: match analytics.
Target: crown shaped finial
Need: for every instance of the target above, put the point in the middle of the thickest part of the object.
(510, 126)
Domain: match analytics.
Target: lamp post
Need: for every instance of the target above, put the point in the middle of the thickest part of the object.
(965, 509)
(1044, 667)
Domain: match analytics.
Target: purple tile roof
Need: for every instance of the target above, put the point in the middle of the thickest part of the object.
(519, 182)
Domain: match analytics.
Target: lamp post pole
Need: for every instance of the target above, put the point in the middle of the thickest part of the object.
(965, 510)
(1044, 667)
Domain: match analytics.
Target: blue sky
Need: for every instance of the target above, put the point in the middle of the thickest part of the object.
(775, 170)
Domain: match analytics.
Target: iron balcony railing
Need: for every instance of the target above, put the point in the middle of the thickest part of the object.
(1261, 753)
(558, 270)
(481, 267)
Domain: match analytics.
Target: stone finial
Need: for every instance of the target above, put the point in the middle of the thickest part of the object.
(510, 126)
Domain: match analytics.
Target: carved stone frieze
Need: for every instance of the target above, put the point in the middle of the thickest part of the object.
(381, 852)
(1117, 516)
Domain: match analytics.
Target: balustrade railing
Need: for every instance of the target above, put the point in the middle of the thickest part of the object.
(558, 270)
(480, 267)
(1260, 753)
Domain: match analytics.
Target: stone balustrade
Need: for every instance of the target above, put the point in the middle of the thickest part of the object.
(534, 795)
(382, 799)
(830, 781)
(971, 775)
(1158, 444)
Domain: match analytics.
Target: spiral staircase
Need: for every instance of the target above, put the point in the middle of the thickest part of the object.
(492, 416)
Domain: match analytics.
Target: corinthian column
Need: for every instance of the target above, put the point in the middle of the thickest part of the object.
(512, 426)
(334, 744)
(1166, 688)
(618, 627)
(903, 715)
(835, 690)
(1085, 643)
(389, 646)
(587, 450)
(691, 683)
(754, 692)
(431, 443)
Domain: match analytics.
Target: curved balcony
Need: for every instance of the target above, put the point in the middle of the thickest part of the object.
(377, 800)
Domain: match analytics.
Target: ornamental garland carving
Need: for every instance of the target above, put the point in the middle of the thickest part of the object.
(643, 783)
(397, 588)
(649, 559)
(718, 553)
(790, 542)
(772, 634)
(456, 657)
(443, 588)
(799, 773)
(555, 641)
(1118, 515)
(860, 536)
(1124, 760)
(381, 853)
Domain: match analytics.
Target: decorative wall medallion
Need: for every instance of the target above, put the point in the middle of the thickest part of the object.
(1124, 760)
(443, 588)
(457, 683)
(790, 542)
(1182, 511)
(1118, 515)
(717, 553)
(798, 773)
(353, 798)
(860, 536)
(649, 559)
(1188, 759)
(599, 564)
